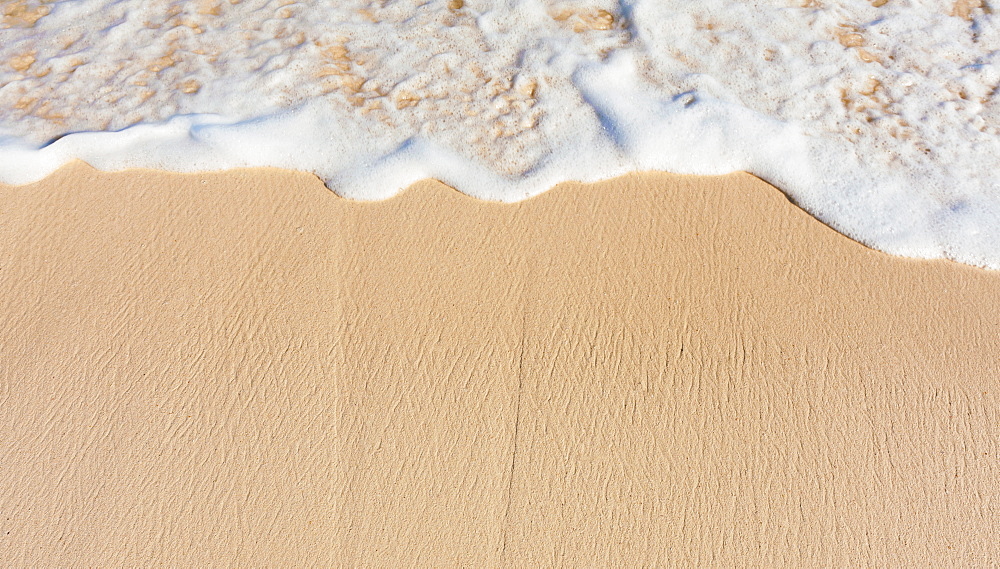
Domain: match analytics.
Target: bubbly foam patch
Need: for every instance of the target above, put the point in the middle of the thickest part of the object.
(880, 117)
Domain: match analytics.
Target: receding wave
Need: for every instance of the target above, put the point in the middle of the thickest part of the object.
(880, 117)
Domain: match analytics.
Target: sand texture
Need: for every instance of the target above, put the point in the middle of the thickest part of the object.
(243, 369)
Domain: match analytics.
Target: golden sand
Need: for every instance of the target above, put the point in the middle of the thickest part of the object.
(243, 369)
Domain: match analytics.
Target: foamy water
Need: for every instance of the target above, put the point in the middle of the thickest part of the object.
(880, 117)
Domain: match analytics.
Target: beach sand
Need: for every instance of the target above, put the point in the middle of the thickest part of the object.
(244, 369)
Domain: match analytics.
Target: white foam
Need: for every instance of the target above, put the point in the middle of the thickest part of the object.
(881, 121)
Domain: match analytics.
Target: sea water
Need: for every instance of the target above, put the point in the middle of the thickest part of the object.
(879, 117)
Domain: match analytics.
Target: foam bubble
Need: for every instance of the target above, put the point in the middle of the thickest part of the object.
(879, 118)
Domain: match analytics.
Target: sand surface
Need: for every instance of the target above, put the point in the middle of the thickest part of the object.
(243, 369)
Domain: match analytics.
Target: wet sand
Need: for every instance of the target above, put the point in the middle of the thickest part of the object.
(243, 369)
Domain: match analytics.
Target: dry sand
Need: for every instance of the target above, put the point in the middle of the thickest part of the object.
(243, 369)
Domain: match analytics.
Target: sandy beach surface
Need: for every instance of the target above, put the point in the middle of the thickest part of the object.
(244, 369)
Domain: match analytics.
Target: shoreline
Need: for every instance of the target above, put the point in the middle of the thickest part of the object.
(244, 368)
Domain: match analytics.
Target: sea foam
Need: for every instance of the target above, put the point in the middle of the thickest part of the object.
(879, 117)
